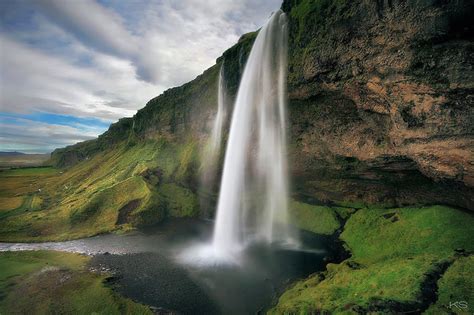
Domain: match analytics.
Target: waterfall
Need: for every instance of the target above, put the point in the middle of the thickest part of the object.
(211, 151)
(216, 135)
(253, 198)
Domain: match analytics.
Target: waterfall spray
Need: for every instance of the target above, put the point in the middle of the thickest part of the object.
(253, 199)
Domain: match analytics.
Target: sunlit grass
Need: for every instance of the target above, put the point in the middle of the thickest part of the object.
(84, 200)
(10, 203)
(30, 171)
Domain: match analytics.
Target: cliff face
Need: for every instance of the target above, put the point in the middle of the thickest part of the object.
(381, 100)
(380, 103)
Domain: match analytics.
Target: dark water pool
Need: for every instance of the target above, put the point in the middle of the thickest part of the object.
(147, 268)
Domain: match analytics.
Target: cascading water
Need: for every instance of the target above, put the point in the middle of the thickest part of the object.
(216, 135)
(253, 199)
(211, 151)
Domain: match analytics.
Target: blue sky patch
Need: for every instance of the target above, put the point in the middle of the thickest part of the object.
(54, 119)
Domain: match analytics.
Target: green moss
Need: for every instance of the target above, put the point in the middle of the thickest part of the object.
(344, 213)
(345, 287)
(45, 282)
(312, 24)
(316, 219)
(188, 161)
(102, 209)
(180, 202)
(372, 235)
(393, 251)
(153, 211)
(356, 205)
(313, 11)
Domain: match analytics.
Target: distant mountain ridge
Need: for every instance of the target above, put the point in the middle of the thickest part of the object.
(8, 153)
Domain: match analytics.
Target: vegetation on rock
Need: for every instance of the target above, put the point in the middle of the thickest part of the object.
(316, 219)
(398, 255)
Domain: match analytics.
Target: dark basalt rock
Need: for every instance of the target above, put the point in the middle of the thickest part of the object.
(124, 212)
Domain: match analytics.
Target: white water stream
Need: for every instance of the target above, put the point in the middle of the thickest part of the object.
(253, 199)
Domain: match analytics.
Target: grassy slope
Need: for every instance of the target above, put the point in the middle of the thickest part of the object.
(393, 251)
(45, 282)
(48, 204)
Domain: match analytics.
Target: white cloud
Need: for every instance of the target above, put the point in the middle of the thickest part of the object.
(38, 137)
(33, 80)
(106, 60)
(92, 23)
(169, 42)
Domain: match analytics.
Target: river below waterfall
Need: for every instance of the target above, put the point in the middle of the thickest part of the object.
(146, 268)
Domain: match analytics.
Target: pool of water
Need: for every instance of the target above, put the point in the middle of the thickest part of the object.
(147, 267)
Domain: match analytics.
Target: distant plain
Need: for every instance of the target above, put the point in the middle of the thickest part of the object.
(17, 159)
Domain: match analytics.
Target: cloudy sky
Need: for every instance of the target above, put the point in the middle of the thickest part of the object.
(68, 68)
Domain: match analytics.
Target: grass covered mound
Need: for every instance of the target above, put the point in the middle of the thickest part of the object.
(46, 282)
(125, 186)
(318, 219)
(399, 259)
